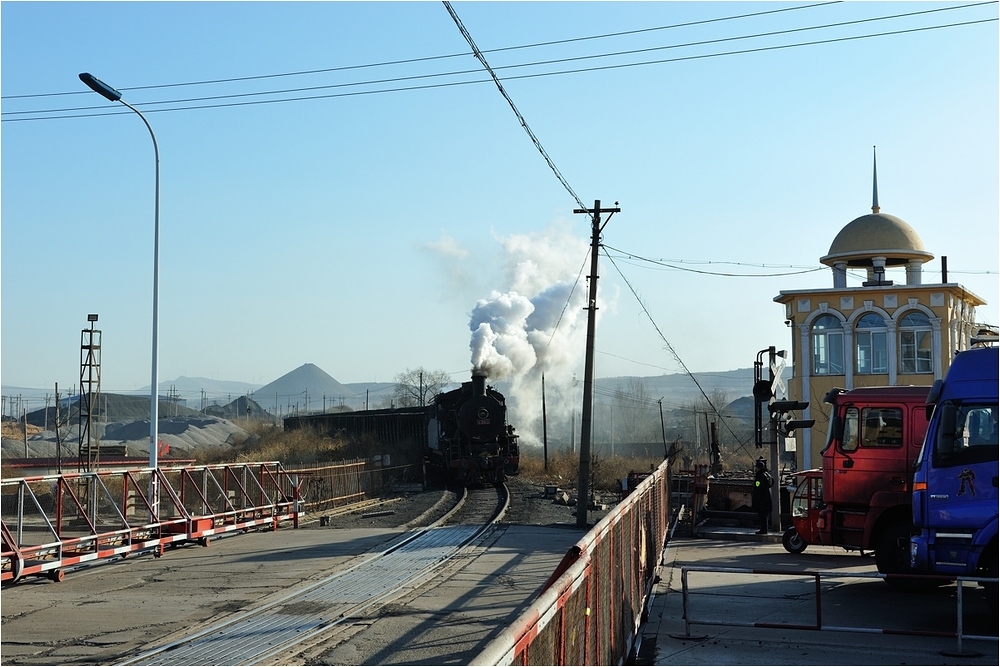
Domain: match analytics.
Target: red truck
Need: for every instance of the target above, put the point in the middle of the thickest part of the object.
(861, 498)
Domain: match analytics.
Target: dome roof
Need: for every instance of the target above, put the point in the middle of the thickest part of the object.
(876, 235)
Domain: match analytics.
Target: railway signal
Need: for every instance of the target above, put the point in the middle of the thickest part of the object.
(787, 426)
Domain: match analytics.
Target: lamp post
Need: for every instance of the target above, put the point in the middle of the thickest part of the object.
(113, 95)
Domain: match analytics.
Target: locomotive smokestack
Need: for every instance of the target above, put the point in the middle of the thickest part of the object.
(478, 383)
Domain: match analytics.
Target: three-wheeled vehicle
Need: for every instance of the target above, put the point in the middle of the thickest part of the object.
(807, 520)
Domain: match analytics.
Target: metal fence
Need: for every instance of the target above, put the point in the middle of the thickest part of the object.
(327, 486)
(55, 521)
(819, 624)
(590, 609)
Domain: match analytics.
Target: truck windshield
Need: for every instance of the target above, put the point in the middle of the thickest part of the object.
(967, 433)
(873, 427)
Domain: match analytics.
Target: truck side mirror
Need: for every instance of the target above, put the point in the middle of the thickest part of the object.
(848, 463)
(837, 429)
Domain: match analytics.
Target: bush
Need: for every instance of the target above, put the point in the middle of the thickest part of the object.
(606, 473)
(268, 442)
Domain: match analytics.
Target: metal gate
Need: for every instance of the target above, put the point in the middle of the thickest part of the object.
(55, 521)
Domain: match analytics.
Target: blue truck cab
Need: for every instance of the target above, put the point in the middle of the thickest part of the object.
(955, 482)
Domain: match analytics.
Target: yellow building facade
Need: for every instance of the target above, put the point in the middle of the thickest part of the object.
(883, 332)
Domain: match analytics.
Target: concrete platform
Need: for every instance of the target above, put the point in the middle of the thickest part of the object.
(845, 603)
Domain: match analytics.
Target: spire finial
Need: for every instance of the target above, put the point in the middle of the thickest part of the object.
(875, 208)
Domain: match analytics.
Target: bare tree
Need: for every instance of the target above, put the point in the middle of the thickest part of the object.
(636, 416)
(418, 386)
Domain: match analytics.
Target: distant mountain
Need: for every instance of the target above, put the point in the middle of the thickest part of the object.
(736, 383)
(305, 388)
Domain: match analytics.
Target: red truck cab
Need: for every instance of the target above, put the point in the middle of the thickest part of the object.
(874, 440)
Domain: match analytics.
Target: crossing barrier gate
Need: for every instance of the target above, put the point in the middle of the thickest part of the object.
(590, 610)
(53, 522)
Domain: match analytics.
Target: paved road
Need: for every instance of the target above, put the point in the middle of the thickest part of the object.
(108, 613)
(105, 614)
(868, 603)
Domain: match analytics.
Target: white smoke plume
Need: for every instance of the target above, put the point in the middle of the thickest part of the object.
(537, 326)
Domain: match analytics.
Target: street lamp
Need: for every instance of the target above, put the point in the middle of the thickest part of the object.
(113, 95)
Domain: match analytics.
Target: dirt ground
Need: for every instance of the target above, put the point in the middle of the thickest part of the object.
(529, 506)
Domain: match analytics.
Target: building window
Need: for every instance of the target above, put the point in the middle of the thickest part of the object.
(915, 344)
(828, 346)
(872, 357)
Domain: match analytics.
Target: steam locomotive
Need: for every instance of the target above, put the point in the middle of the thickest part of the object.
(464, 433)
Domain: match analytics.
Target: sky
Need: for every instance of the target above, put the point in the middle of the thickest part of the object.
(375, 215)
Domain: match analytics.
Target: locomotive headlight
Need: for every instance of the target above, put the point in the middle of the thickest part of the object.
(483, 413)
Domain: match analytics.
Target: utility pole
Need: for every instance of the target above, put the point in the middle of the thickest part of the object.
(58, 444)
(545, 428)
(583, 494)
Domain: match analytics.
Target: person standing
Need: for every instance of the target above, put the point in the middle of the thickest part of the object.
(761, 497)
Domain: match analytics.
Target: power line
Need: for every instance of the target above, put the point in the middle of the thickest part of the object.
(664, 264)
(676, 356)
(520, 118)
(507, 67)
(408, 61)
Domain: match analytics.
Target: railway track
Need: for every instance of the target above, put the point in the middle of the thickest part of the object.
(308, 615)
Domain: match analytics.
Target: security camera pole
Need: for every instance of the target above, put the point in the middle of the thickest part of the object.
(583, 484)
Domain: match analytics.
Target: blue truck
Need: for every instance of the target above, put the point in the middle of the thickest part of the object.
(955, 483)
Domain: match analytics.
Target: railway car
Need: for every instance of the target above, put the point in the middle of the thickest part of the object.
(464, 433)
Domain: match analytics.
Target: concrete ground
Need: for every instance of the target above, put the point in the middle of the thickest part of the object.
(845, 603)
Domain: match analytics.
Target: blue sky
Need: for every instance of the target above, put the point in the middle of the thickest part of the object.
(359, 232)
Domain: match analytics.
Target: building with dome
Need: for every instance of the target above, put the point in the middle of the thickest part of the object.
(883, 332)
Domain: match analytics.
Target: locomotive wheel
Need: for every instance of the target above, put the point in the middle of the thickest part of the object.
(793, 542)
(57, 575)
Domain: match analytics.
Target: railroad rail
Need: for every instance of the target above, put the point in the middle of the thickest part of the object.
(53, 522)
(264, 633)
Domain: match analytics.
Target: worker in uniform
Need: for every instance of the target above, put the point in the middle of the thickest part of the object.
(761, 497)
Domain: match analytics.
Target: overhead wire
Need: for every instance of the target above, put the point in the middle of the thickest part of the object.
(493, 74)
(677, 357)
(663, 263)
(524, 124)
(407, 61)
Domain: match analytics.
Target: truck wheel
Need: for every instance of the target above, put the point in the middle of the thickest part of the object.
(892, 555)
(793, 542)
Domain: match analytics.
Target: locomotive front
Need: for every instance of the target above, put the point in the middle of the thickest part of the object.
(477, 445)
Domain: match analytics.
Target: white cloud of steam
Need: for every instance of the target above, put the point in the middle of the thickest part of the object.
(537, 326)
(500, 343)
(447, 246)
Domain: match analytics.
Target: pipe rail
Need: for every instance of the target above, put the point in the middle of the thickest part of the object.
(52, 522)
(818, 625)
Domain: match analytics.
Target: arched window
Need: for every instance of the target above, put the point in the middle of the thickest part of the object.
(869, 347)
(915, 344)
(827, 346)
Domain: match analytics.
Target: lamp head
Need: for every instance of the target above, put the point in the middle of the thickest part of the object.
(100, 87)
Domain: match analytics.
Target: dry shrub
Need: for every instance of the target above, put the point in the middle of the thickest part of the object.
(606, 472)
(268, 442)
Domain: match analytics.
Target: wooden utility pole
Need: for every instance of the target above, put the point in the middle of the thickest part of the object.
(583, 485)
(545, 428)
(58, 444)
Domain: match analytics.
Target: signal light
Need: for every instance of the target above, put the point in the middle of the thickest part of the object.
(786, 425)
(796, 424)
(787, 406)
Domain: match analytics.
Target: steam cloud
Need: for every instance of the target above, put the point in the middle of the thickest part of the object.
(514, 333)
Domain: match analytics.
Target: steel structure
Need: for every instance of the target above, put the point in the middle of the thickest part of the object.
(90, 396)
(53, 522)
